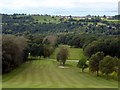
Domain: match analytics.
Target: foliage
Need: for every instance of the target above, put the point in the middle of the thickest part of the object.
(76, 40)
(20, 23)
(62, 55)
(117, 65)
(14, 52)
(107, 65)
(110, 46)
(82, 64)
(41, 46)
(36, 47)
(94, 62)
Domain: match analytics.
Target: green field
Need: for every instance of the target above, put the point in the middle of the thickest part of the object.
(47, 19)
(74, 53)
(46, 74)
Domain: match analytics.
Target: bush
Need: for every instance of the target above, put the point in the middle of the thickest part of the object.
(82, 64)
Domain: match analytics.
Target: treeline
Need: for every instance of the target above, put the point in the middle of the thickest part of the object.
(18, 24)
(15, 24)
(101, 65)
(40, 45)
(77, 40)
(110, 46)
(17, 49)
(91, 43)
(116, 17)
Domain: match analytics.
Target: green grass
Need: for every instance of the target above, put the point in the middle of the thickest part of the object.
(46, 74)
(99, 23)
(74, 53)
(115, 21)
(47, 19)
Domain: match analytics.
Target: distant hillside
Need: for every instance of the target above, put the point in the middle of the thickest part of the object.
(22, 23)
(47, 19)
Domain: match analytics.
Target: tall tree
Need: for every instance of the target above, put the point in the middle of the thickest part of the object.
(94, 62)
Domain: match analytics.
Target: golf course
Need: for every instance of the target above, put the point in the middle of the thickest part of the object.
(60, 44)
(46, 73)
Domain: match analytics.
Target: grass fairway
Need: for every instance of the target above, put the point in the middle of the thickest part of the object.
(74, 53)
(46, 74)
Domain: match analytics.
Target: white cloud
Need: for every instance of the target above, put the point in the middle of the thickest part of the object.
(18, 4)
(62, 4)
(57, 3)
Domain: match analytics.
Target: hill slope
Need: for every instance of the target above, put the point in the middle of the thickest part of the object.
(47, 19)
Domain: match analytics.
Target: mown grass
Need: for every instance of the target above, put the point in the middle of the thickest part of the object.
(8, 76)
(46, 74)
(74, 53)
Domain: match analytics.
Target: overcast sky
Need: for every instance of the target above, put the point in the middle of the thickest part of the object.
(56, 6)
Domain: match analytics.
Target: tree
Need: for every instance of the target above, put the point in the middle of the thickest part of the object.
(117, 65)
(82, 64)
(49, 42)
(13, 52)
(94, 47)
(107, 65)
(94, 62)
(62, 55)
(46, 51)
(36, 48)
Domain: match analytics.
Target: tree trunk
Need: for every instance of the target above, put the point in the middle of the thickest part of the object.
(82, 69)
(97, 73)
(63, 63)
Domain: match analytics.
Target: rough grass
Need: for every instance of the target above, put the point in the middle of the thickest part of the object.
(74, 53)
(46, 74)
